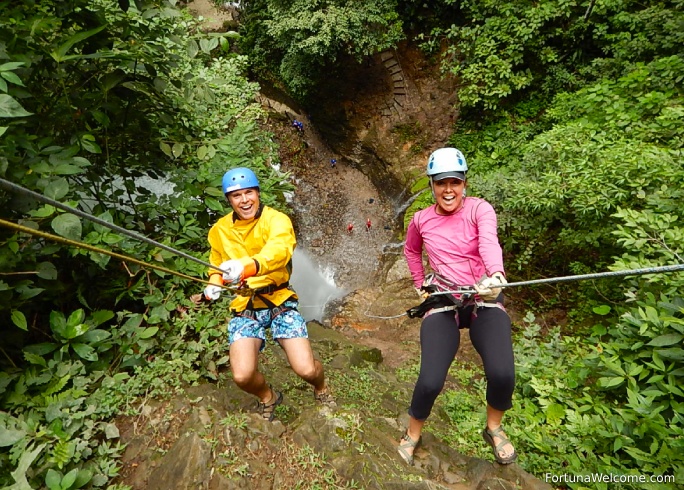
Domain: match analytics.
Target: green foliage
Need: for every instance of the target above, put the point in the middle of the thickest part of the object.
(497, 50)
(134, 117)
(644, 103)
(298, 42)
(614, 145)
(570, 424)
(501, 52)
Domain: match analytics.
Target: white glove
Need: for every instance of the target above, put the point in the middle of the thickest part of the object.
(487, 288)
(212, 292)
(232, 271)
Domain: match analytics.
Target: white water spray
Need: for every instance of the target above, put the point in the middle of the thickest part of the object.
(314, 286)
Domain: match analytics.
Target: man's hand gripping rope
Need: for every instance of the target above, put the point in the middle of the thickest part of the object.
(233, 278)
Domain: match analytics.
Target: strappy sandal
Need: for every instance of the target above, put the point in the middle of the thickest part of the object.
(489, 435)
(325, 398)
(267, 410)
(407, 442)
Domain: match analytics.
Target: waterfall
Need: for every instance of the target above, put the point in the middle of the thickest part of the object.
(401, 207)
(315, 287)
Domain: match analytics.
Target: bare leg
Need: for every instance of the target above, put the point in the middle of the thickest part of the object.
(301, 358)
(494, 417)
(415, 429)
(244, 355)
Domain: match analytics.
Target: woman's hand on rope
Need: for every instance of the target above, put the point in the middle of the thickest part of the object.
(422, 293)
(487, 287)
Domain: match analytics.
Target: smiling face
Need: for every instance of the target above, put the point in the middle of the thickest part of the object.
(448, 194)
(245, 202)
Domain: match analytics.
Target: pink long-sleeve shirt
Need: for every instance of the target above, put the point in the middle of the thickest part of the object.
(462, 246)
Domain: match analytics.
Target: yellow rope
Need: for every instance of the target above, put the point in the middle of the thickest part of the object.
(92, 248)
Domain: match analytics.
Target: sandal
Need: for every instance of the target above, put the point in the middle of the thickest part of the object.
(488, 435)
(267, 410)
(407, 442)
(325, 398)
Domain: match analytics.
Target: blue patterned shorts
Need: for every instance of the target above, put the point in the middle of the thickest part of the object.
(287, 325)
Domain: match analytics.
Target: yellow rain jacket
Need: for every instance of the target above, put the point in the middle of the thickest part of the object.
(269, 239)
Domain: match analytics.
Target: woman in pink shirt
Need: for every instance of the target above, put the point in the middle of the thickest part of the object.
(460, 238)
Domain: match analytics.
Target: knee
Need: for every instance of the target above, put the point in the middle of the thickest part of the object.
(243, 378)
(308, 372)
(502, 380)
(430, 388)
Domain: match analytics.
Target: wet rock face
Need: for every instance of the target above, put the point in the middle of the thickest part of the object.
(386, 115)
(379, 121)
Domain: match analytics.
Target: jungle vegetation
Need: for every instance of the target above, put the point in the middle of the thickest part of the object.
(572, 121)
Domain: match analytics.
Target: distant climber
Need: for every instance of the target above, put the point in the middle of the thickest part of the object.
(350, 228)
(333, 162)
(368, 225)
(298, 125)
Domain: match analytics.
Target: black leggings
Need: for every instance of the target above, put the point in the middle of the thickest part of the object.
(490, 332)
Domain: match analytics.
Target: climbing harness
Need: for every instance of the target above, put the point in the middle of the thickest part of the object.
(444, 295)
(259, 293)
(439, 300)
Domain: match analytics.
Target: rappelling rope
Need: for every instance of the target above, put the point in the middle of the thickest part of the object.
(579, 277)
(366, 314)
(22, 190)
(582, 277)
(93, 248)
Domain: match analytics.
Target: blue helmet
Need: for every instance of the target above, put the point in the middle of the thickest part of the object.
(239, 178)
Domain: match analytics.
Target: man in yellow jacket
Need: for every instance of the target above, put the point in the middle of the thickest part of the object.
(253, 245)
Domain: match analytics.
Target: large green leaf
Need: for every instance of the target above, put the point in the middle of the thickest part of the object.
(53, 480)
(9, 107)
(60, 53)
(667, 339)
(85, 351)
(19, 320)
(47, 270)
(68, 226)
(149, 332)
(57, 189)
(25, 462)
(96, 335)
(9, 437)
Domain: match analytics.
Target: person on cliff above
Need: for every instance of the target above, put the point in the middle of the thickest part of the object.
(368, 225)
(459, 235)
(253, 245)
(333, 162)
(350, 228)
